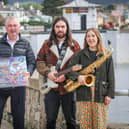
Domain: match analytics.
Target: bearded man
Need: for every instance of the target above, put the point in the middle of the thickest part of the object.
(57, 51)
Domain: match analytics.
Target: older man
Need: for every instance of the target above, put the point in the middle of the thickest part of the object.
(13, 45)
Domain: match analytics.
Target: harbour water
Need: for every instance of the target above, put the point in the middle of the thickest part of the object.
(119, 108)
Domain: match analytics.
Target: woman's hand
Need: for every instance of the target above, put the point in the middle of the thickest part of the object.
(81, 79)
(107, 100)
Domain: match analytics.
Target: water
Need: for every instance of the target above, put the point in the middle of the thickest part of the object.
(119, 108)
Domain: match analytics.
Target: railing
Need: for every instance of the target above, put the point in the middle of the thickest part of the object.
(120, 92)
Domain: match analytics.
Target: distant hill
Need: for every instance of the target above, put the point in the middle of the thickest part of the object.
(13, 1)
(105, 2)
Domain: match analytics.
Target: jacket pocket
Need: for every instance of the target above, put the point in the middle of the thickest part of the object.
(20, 51)
(104, 88)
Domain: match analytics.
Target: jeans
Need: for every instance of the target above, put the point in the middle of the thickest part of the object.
(53, 100)
(17, 105)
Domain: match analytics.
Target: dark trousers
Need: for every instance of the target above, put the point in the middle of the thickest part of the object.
(17, 105)
(53, 100)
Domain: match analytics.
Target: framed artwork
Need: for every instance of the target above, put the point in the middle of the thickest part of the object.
(13, 72)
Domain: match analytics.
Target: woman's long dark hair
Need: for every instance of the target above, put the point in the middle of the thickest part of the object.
(53, 38)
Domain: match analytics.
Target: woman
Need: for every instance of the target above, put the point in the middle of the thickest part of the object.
(93, 101)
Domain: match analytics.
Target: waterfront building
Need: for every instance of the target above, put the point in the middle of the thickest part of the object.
(80, 14)
(11, 11)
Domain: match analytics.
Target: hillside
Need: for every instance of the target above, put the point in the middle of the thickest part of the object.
(105, 2)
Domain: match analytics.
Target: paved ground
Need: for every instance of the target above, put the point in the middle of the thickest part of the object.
(118, 126)
(6, 125)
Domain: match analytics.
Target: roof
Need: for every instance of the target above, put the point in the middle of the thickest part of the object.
(4, 9)
(79, 3)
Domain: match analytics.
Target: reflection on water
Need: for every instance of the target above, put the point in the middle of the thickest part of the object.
(119, 108)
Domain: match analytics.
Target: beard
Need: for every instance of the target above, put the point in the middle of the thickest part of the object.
(58, 35)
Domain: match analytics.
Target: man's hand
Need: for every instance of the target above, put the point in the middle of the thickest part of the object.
(60, 78)
(51, 76)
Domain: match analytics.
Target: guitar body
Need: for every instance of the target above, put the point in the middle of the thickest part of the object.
(49, 84)
(44, 90)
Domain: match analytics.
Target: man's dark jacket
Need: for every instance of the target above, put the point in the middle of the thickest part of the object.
(21, 48)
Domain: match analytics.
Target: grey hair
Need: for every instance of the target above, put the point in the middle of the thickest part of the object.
(10, 18)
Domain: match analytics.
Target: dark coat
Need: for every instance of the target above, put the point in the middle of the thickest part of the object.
(104, 82)
(21, 48)
(48, 57)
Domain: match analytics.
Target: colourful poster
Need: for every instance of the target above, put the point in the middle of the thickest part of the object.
(13, 72)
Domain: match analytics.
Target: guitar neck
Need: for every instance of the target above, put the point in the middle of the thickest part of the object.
(63, 72)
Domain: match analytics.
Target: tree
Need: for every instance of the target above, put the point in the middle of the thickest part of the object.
(5, 2)
(26, 5)
(50, 7)
(2, 20)
(127, 4)
(110, 7)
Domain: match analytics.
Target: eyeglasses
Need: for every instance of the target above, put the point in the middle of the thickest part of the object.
(10, 26)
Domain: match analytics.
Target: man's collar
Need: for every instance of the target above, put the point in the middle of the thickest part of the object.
(11, 40)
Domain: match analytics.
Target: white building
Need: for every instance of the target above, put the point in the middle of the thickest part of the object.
(80, 14)
(19, 13)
